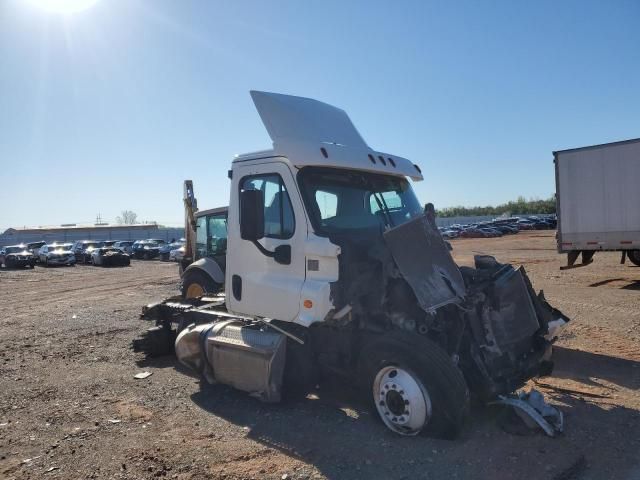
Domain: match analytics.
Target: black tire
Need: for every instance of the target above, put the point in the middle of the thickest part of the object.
(634, 257)
(46, 262)
(426, 361)
(194, 278)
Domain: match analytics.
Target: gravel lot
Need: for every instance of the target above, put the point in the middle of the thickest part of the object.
(70, 407)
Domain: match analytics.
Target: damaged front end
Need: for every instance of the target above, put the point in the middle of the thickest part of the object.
(508, 341)
(488, 318)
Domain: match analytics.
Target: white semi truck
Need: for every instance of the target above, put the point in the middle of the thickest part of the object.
(598, 201)
(332, 270)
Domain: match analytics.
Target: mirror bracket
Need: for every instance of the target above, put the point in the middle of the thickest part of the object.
(282, 253)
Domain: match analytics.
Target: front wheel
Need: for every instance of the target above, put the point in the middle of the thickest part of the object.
(634, 256)
(402, 400)
(416, 387)
(197, 283)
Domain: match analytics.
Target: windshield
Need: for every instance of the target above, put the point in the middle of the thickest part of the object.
(339, 200)
(14, 249)
(62, 246)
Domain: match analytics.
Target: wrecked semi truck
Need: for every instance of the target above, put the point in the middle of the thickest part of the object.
(332, 270)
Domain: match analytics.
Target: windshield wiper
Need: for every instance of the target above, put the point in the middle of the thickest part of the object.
(382, 205)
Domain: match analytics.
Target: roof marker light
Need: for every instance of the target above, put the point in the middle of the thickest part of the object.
(393, 164)
(373, 160)
(381, 158)
(417, 168)
(324, 152)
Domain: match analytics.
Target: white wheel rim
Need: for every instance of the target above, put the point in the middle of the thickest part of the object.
(402, 400)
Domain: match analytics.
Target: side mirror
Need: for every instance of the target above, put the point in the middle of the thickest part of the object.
(251, 215)
(282, 254)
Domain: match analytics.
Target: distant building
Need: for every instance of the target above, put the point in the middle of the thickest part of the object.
(73, 232)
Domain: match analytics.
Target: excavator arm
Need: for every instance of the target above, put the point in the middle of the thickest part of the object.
(190, 209)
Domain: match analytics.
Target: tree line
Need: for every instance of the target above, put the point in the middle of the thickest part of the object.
(521, 206)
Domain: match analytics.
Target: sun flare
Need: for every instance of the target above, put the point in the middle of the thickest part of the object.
(64, 6)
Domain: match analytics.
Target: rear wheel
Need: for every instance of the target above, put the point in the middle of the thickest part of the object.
(197, 283)
(416, 387)
(634, 256)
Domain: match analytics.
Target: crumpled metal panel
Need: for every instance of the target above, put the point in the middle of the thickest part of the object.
(424, 260)
(511, 317)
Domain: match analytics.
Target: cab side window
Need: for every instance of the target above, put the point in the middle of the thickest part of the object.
(201, 237)
(217, 234)
(279, 221)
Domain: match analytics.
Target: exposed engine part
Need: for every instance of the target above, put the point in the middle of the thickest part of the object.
(269, 322)
(233, 353)
(342, 312)
(402, 322)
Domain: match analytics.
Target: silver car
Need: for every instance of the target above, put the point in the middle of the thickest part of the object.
(125, 246)
(58, 254)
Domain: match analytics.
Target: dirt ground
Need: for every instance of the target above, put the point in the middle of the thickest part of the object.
(71, 408)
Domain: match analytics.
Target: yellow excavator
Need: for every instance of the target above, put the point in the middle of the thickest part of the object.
(202, 267)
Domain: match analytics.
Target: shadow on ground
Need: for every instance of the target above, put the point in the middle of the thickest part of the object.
(584, 367)
(627, 284)
(335, 431)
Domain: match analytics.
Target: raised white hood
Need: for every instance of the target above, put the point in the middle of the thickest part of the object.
(309, 132)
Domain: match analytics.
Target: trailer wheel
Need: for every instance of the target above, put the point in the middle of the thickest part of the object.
(634, 256)
(197, 283)
(416, 388)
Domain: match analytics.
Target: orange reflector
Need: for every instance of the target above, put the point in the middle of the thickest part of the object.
(308, 304)
(626, 242)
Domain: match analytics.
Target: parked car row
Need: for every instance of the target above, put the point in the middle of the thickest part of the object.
(95, 252)
(499, 227)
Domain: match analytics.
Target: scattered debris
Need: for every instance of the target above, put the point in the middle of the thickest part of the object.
(142, 375)
(534, 411)
(114, 420)
(573, 391)
(29, 460)
(51, 469)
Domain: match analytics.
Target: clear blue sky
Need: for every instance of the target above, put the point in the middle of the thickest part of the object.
(111, 108)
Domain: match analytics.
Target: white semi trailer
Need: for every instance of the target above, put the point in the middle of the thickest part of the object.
(333, 271)
(598, 201)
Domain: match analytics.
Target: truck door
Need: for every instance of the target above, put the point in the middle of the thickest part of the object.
(255, 283)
